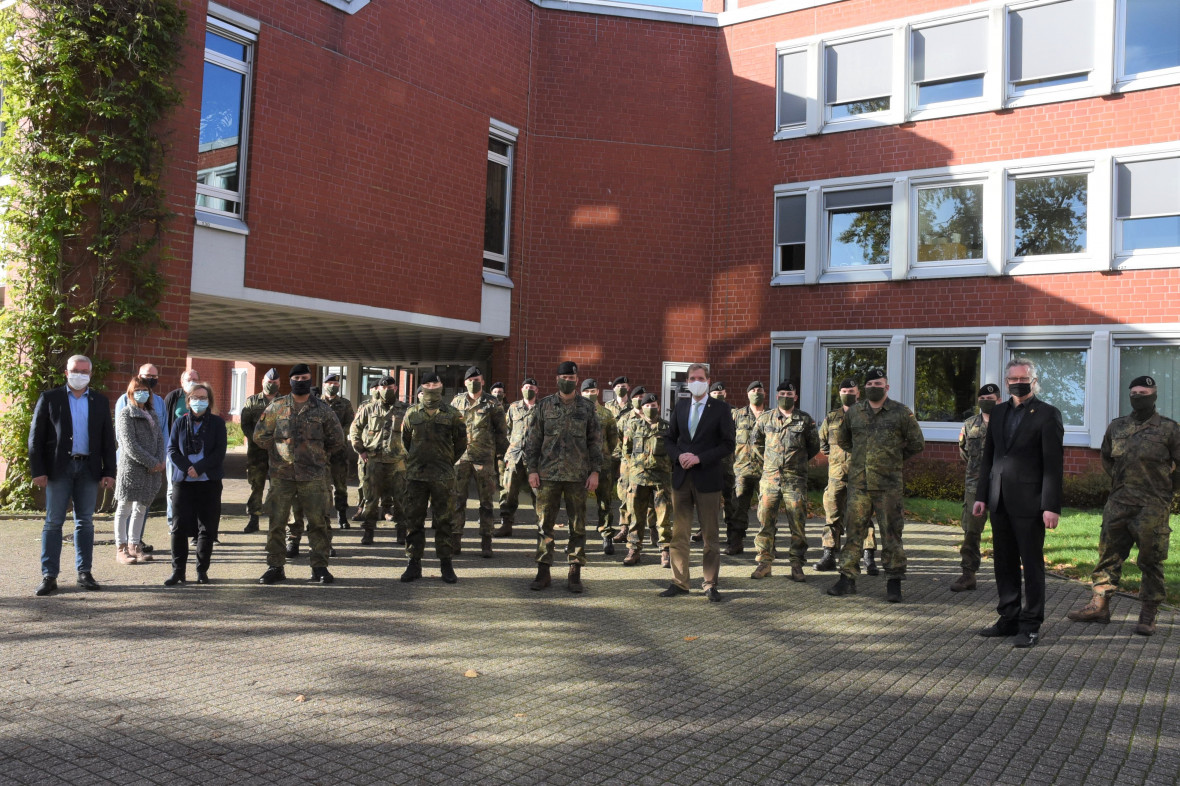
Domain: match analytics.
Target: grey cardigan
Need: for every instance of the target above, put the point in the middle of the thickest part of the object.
(141, 447)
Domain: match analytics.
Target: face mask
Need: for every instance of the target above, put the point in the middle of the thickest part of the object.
(621, 392)
(651, 413)
(529, 394)
(848, 399)
(474, 386)
(198, 406)
(270, 388)
(875, 394)
(786, 402)
(331, 390)
(698, 388)
(757, 398)
(78, 381)
(498, 395)
(187, 386)
(149, 382)
(635, 404)
(389, 396)
(590, 396)
(1141, 405)
(300, 387)
(986, 405)
(1020, 389)
(566, 386)
(718, 396)
(430, 398)
(141, 396)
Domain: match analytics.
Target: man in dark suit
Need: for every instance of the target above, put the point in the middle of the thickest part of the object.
(71, 453)
(699, 439)
(1020, 483)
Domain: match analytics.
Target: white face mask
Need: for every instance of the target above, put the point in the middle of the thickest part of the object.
(187, 386)
(698, 388)
(78, 381)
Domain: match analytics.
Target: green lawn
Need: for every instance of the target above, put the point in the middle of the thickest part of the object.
(233, 435)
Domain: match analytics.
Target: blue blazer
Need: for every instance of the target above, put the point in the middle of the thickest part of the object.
(213, 438)
(51, 436)
(714, 440)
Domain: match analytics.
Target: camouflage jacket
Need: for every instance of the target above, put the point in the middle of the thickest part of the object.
(518, 425)
(751, 444)
(647, 456)
(344, 410)
(727, 462)
(1142, 459)
(971, 438)
(299, 440)
(251, 411)
(565, 440)
(487, 433)
(790, 440)
(624, 423)
(878, 443)
(433, 442)
(618, 407)
(837, 456)
(377, 430)
(610, 434)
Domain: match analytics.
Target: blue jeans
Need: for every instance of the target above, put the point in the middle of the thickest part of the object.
(78, 486)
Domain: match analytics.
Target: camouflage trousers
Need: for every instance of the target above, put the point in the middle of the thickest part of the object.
(384, 480)
(312, 497)
(516, 478)
(790, 494)
(257, 469)
(1123, 526)
(604, 503)
(642, 499)
(862, 506)
(549, 498)
(972, 531)
(835, 502)
(485, 487)
(737, 518)
(387, 500)
(438, 495)
(728, 500)
(338, 467)
(626, 514)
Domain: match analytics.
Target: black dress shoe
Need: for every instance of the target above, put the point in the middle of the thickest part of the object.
(251, 525)
(87, 582)
(893, 590)
(292, 549)
(413, 571)
(202, 577)
(713, 595)
(273, 574)
(1026, 639)
(673, 591)
(1001, 629)
(48, 586)
(147, 548)
(447, 571)
(177, 577)
(321, 576)
(843, 586)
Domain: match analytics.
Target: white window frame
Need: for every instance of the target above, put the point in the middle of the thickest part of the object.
(237, 388)
(496, 264)
(938, 430)
(1168, 256)
(1047, 263)
(918, 111)
(1125, 82)
(1092, 85)
(859, 272)
(808, 126)
(1125, 338)
(977, 267)
(242, 30)
(891, 116)
(1079, 436)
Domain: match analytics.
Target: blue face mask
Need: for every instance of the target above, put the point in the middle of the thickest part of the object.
(199, 405)
(141, 396)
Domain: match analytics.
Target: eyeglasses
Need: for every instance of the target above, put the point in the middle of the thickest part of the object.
(1020, 379)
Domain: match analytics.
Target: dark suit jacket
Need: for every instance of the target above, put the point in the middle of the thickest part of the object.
(214, 438)
(1026, 475)
(713, 442)
(51, 437)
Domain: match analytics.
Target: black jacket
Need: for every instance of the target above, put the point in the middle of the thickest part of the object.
(714, 441)
(212, 434)
(1026, 475)
(51, 437)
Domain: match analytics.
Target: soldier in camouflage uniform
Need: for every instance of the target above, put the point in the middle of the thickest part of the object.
(360, 475)
(650, 471)
(339, 462)
(971, 438)
(435, 436)
(604, 494)
(376, 436)
(487, 442)
(623, 482)
(747, 467)
(256, 455)
(1141, 453)
(300, 431)
(563, 452)
(501, 397)
(790, 440)
(515, 476)
(620, 406)
(836, 492)
(879, 434)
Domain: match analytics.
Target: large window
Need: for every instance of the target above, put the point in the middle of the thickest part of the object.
(950, 222)
(1151, 36)
(1051, 45)
(858, 78)
(949, 61)
(497, 211)
(946, 383)
(1062, 375)
(854, 362)
(237, 391)
(1148, 209)
(792, 89)
(859, 223)
(225, 110)
(1050, 215)
(1160, 362)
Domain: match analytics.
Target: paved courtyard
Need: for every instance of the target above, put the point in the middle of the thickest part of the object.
(364, 681)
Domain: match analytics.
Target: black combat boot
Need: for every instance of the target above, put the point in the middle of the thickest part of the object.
(367, 538)
(504, 530)
(342, 517)
(542, 580)
(321, 576)
(871, 562)
(177, 577)
(292, 548)
(608, 545)
(273, 574)
(251, 525)
(400, 534)
(485, 546)
(413, 571)
(893, 590)
(573, 581)
(827, 560)
(447, 570)
(843, 586)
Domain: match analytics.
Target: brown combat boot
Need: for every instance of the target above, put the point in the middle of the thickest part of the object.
(1097, 610)
(762, 571)
(504, 530)
(964, 582)
(797, 573)
(485, 546)
(573, 581)
(632, 558)
(1146, 625)
(621, 535)
(542, 580)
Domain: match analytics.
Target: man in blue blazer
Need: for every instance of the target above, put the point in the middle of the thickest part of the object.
(71, 453)
(700, 438)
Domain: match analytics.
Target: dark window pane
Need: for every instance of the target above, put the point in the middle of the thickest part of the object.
(496, 210)
(852, 362)
(1153, 36)
(791, 257)
(950, 223)
(1051, 215)
(790, 366)
(946, 381)
(1162, 232)
(952, 90)
(498, 147)
(859, 237)
(225, 46)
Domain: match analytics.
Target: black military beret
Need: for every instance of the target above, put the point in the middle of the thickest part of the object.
(299, 368)
(786, 386)
(332, 378)
(387, 381)
(1142, 382)
(472, 372)
(567, 367)
(272, 375)
(753, 386)
(495, 385)
(875, 374)
(848, 382)
(650, 398)
(428, 378)
(639, 391)
(989, 389)
(589, 383)
(620, 381)
(529, 381)
(717, 386)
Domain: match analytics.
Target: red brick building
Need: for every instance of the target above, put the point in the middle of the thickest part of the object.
(789, 188)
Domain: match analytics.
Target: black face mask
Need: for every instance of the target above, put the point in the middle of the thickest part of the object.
(149, 382)
(300, 387)
(848, 399)
(1020, 389)
(875, 394)
(1143, 406)
(986, 405)
(786, 402)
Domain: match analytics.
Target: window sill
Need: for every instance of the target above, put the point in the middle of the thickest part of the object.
(949, 270)
(1133, 82)
(794, 278)
(861, 123)
(952, 109)
(347, 6)
(497, 279)
(1054, 265)
(223, 223)
(794, 132)
(940, 432)
(853, 275)
(1052, 95)
(1145, 260)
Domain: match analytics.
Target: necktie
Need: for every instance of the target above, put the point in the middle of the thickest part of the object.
(693, 419)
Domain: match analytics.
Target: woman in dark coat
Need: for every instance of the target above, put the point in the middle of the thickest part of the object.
(196, 449)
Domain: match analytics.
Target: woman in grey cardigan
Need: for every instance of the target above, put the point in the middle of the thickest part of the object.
(140, 471)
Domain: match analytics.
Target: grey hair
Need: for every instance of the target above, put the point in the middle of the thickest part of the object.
(78, 358)
(694, 366)
(1032, 371)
